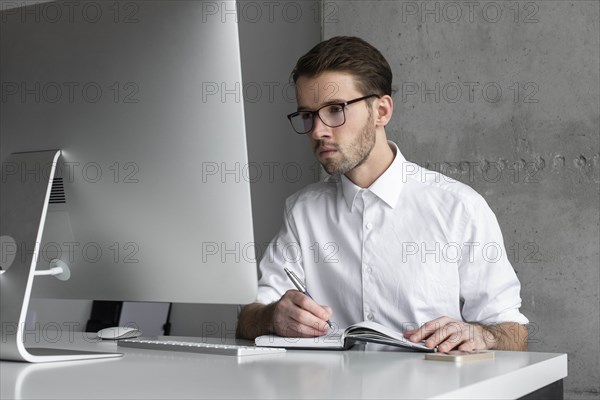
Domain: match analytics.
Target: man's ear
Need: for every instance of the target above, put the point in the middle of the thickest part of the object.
(383, 111)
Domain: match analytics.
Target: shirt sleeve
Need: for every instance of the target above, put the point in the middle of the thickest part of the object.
(283, 252)
(489, 287)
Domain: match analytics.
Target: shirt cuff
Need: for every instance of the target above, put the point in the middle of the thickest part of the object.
(513, 315)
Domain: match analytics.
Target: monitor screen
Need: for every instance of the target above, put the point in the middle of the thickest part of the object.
(143, 99)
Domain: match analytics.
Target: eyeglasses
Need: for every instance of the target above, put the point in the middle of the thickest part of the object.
(332, 115)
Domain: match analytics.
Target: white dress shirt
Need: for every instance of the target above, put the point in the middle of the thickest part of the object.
(416, 245)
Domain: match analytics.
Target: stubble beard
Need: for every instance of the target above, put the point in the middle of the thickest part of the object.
(355, 154)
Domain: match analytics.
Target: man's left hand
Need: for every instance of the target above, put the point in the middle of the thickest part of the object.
(448, 333)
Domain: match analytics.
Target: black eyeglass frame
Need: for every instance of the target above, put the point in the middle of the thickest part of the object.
(316, 112)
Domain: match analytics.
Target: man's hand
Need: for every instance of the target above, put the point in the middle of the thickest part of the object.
(297, 315)
(294, 315)
(447, 334)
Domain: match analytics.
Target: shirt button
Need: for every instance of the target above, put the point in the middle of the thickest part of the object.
(368, 269)
(370, 316)
(369, 225)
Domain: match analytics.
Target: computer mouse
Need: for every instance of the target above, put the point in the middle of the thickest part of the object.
(118, 332)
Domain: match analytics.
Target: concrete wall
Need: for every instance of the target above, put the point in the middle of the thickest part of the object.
(504, 96)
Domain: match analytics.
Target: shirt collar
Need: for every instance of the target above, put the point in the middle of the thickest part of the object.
(350, 191)
(387, 187)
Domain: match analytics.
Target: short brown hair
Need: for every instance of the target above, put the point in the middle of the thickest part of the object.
(348, 54)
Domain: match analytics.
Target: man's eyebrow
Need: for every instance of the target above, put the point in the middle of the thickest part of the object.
(327, 103)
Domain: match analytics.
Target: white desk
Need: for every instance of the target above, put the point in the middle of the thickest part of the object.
(360, 373)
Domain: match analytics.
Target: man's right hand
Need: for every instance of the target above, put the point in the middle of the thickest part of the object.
(297, 315)
(293, 315)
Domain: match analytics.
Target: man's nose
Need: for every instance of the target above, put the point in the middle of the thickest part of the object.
(319, 130)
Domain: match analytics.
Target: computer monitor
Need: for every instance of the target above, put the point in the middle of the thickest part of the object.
(143, 99)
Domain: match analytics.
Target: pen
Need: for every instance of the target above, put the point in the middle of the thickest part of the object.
(296, 281)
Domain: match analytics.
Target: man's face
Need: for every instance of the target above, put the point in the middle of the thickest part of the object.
(345, 147)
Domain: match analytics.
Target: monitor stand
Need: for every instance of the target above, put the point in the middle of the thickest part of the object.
(24, 197)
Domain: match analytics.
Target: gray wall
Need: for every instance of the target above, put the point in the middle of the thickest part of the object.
(532, 150)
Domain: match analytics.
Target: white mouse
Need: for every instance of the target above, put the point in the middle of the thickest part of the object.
(118, 332)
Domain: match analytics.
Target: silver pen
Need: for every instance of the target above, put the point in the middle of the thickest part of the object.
(301, 288)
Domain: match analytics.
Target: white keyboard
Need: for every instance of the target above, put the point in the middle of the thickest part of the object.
(199, 347)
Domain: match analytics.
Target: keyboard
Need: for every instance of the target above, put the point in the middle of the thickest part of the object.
(198, 347)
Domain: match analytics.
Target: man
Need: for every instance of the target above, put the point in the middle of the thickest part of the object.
(381, 239)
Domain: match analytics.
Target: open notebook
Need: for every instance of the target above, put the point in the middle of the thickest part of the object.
(366, 331)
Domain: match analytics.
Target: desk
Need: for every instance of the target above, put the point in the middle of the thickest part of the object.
(371, 371)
